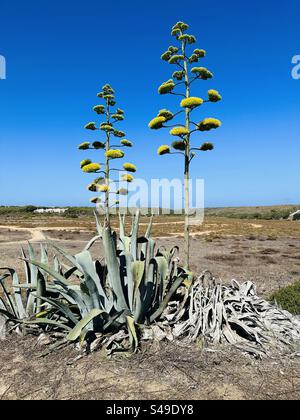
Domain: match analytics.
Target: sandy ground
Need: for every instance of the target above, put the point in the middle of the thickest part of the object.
(162, 371)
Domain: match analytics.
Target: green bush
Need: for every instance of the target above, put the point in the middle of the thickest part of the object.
(250, 214)
(288, 298)
(29, 209)
(75, 212)
(16, 210)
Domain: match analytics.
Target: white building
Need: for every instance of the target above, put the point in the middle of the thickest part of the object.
(51, 210)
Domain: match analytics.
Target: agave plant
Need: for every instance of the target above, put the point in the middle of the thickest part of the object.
(133, 286)
(29, 304)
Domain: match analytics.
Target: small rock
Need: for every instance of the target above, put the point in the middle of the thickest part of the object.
(43, 340)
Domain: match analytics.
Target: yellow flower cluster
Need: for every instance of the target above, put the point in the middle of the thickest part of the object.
(118, 133)
(92, 187)
(166, 113)
(157, 123)
(98, 145)
(90, 126)
(175, 59)
(179, 145)
(179, 131)
(163, 116)
(179, 27)
(209, 124)
(109, 97)
(191, 102)
(173, 50)
(214, 95)
(190, 39)
(107, 89)
(202, 72)
(106, 127)
(194, 58)
(163, 150)
(178, 75)
(103, 188)
(127, 178)
(166, 87)
(126, 143)
(166, 55)
(206, 146)
(84, 146)
(95, 200)
(91, 167)
(114, 154)
(118, 117)
(130, 167)
(200, 53)
(85, 162)
(99, 109)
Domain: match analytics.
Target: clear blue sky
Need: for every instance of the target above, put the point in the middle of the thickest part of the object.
(59, 55)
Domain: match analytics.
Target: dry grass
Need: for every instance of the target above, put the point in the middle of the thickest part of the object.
(172, 225)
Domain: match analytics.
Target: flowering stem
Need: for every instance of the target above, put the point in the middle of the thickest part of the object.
(177, 94)
(179, 83)
(107, 146)
(195, 78)
(193, 131)
(177, 113)
(186, 165)
(182, 67)
(174, 125)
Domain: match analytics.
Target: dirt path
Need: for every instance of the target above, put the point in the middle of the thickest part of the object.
(37, 233)
(181, 235)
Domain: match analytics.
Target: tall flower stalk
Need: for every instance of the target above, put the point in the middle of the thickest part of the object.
(102, 184)
(185, 75)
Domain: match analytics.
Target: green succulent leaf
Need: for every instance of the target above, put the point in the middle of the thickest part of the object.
(76, 332)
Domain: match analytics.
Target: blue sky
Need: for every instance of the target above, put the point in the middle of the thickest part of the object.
(60, 54)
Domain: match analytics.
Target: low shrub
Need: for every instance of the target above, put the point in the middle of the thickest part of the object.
(288, 298)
